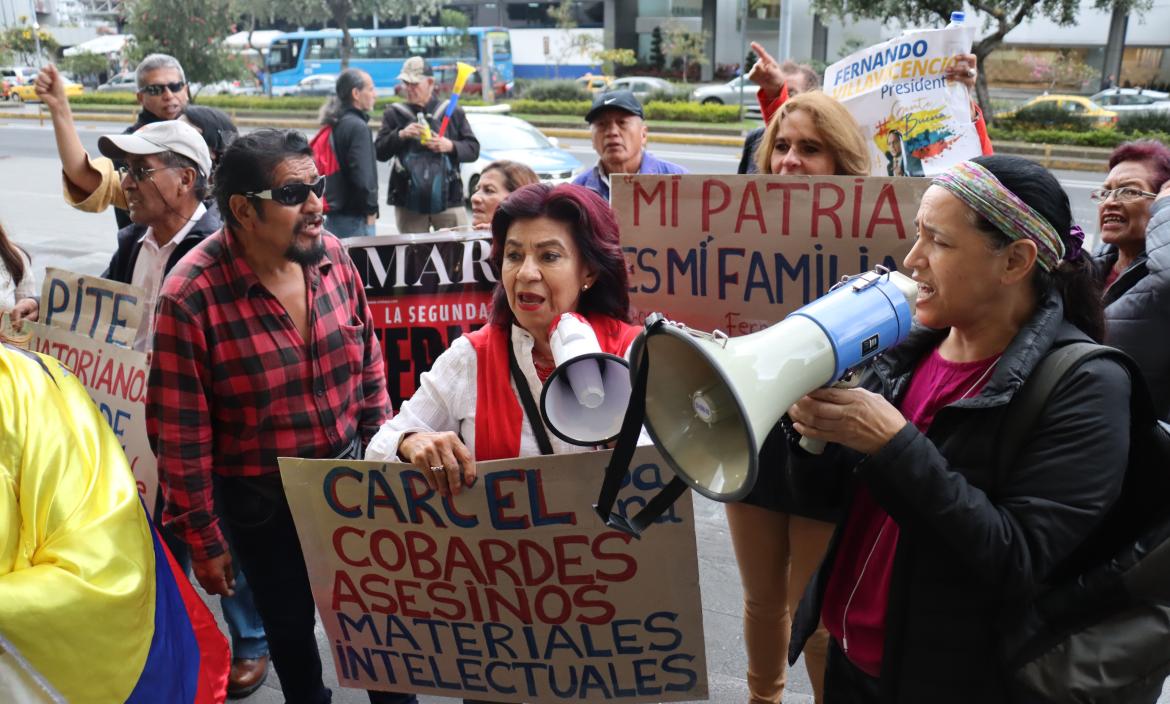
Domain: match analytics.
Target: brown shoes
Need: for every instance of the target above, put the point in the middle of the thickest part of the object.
(246, 677)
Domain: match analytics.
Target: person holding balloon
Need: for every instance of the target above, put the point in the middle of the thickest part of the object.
(425, 190)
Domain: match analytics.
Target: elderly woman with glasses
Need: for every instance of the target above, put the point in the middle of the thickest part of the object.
(1133, 261)
(943, 539)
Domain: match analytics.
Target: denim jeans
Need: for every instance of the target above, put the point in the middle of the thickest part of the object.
(346, 225)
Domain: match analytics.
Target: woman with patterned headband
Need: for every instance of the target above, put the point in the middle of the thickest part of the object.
(940, 540)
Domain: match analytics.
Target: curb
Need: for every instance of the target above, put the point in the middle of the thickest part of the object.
(1050, 156)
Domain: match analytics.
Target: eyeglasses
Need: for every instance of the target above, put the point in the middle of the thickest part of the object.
(140, 173)
(1125, 194)
(293, 193)
(158, 88)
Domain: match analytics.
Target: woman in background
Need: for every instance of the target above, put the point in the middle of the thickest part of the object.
(497, 181)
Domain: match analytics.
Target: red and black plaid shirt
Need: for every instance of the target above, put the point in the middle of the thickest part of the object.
(233, 386)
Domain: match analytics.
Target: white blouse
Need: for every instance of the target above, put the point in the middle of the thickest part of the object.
(446, 397)
(11, 292)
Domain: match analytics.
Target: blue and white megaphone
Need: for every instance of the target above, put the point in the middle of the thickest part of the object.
(711, 400)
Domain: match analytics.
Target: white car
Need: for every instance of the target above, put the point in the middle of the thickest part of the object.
(1125, 100)
(506, 137)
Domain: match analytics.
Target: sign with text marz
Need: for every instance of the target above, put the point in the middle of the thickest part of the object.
(424, 291)
(738, 253)
(512, 591)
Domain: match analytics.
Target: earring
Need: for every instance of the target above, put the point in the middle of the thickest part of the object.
(585, 287)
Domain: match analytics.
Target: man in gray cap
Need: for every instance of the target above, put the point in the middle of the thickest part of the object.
(165, 180)
(425, 187)
(619, 138)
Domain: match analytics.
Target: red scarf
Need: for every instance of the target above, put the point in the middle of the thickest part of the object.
(498, 415)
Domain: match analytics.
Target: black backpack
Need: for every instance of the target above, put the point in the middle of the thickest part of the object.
(1099, 629)
(421, 180)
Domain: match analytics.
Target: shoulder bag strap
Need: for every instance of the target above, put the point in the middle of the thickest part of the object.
(527, 401)
(1027, 405)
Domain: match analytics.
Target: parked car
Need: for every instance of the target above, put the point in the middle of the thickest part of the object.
(317, 84)
(445, 81)
(124, 82)
(641, 86)
(506, 137)
(27, 93)
(595, 84)
(737, 90)
(18, 75)
(1132, 100)
(1077, 107)
(240, 86)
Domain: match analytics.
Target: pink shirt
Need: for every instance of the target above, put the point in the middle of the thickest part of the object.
(857, 595)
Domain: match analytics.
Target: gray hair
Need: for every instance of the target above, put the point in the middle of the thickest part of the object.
(153, 62)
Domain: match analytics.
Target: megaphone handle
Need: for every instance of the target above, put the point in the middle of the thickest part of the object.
(817, 447)
(812, 446)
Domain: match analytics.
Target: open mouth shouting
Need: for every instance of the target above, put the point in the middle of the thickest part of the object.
(529, 301)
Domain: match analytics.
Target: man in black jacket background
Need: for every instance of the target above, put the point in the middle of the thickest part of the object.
(403, 137)
(163, 95)
(352, 192)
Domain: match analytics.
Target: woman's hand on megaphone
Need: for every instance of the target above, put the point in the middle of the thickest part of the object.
(858, 419)
(443, 459)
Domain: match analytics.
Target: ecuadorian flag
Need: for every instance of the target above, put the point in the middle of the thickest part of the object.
(89, 595)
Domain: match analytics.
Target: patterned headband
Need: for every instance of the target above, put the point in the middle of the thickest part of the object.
(982, 191)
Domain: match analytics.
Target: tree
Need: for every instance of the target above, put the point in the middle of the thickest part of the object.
(1001, 16)
(657, 58)
(1065, 68)
(681, 43)
(20, 42)
(86, 63)
(568, 44)
(192, 31)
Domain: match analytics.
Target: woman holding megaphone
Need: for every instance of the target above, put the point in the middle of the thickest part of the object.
(942, 538)
(555, 250)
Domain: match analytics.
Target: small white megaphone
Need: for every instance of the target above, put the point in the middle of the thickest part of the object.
(712, 400)
(585, 398)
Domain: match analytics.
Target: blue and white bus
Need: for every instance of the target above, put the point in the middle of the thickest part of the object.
(294, 56)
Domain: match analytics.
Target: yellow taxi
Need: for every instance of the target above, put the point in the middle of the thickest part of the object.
(1077, 107)
(595, 84)
(28, 93)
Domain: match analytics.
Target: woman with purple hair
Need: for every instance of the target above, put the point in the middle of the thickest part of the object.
(554, 250)
(1133, 261)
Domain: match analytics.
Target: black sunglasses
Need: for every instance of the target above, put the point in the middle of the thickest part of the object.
(293, 193)
(158, 88)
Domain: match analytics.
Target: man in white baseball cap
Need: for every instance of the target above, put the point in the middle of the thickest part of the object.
(165, 180)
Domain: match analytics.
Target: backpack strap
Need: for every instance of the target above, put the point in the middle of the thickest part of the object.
(1029, 402)
(401, 107)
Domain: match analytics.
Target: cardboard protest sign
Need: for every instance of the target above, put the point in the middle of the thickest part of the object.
(738, 253)
(914, 121)
(116, 378)
(513, 591)
(424, 291)
(104, 310)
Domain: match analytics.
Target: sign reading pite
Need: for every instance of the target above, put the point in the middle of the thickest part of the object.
(513, 591)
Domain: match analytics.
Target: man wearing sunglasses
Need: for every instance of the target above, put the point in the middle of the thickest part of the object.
(264, 348)
(162, 93)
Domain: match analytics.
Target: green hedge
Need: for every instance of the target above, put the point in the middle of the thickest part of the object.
(655, 110)
(683, 112)
(1080, 138)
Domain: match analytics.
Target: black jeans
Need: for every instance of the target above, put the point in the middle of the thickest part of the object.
(845, 683)
(266, 543)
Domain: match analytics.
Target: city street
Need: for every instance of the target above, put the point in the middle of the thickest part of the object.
(57, 235)
(35, 216)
